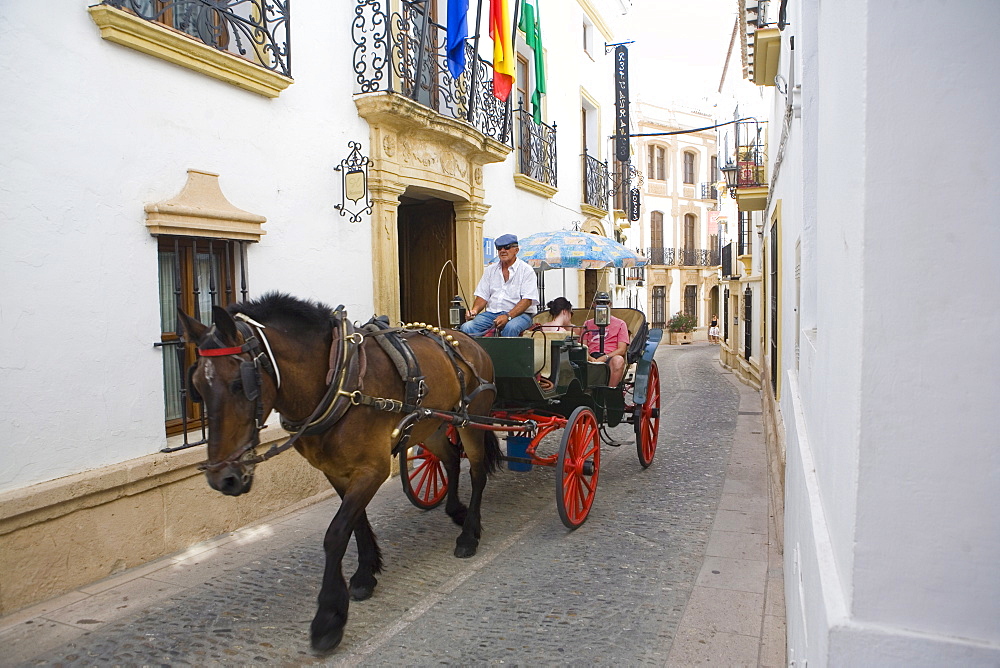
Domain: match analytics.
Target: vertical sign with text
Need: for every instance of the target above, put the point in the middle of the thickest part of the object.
(621, 103)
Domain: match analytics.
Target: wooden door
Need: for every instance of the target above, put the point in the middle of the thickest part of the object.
(426, 243)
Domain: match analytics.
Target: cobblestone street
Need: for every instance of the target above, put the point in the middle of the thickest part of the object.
(676, 564)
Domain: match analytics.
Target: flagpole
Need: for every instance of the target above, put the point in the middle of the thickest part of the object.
(423, 45)
(475, 62)
(510, 103)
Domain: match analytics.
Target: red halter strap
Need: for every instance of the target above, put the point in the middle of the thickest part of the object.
(221, 352)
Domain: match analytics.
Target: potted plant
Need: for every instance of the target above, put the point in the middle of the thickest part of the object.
(680, 327)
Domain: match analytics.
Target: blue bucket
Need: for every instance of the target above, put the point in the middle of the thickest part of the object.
(517, 446)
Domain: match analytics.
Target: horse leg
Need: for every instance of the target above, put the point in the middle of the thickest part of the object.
(484, 457)
(441, 447)
(369, 560)
(331, 616)
(453, 505)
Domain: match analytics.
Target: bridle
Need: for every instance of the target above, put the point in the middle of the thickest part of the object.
(344, 370)
(250, 375)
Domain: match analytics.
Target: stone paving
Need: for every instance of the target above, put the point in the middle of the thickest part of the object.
(676, 565)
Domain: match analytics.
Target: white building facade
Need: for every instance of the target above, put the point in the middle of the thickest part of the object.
(878, 417)
(155, 159)
(678, 230)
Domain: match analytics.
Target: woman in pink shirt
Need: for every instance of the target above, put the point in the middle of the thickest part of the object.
(616, 342)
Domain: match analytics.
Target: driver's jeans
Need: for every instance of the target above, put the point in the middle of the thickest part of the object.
(483, 322)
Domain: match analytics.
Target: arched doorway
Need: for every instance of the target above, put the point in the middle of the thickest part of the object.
(426, 237)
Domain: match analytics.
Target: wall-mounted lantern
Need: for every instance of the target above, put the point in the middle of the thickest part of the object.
(354, 181)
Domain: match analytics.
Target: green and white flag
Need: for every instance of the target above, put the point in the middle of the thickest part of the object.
(533, 38)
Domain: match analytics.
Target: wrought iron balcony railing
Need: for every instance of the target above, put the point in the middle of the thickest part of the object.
(683, 257)
(596, 182)
(403, 52)
(751, 154)
(250, 29)
(537, 151)
(709, 191)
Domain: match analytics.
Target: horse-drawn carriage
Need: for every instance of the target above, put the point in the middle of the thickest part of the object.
(546, 381)
(354, 395)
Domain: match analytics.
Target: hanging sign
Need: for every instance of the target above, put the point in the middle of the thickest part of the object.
(621, 103)
(633, 204)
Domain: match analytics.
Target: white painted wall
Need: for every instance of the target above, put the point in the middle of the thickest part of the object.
(892, 469)
(92, 131)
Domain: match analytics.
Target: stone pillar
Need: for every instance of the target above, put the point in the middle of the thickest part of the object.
(469, 217)
(385, 247)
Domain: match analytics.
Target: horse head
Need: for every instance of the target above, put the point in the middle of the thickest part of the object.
(229, 378)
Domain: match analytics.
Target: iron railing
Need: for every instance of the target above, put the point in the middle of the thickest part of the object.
(537, 154)
(747, 323)
(727, 261)
(751, 154)
(596, 182)
(251, 29)
(404, 52)
(709, 191)
(218, 277)
(683, 257)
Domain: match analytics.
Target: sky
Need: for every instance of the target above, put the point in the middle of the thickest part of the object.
(679, 50)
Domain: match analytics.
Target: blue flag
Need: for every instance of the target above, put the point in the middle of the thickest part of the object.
(458, 31)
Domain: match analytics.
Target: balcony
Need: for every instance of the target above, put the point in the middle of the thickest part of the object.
(683, 257)
(747, 177)
(242, 42)
(403, 53)
(536, 157)
(709, 191)
(596, 184)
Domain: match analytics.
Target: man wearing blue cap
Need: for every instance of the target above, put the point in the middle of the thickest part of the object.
(506, 296)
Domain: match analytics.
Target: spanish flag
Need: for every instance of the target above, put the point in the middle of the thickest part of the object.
(503, 49)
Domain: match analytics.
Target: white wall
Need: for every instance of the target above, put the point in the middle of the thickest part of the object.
(892, 468)
(92, 132)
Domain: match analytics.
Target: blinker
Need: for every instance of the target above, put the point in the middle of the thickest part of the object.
(193, 393)
(251, 386)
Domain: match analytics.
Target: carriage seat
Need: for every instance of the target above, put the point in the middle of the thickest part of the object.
(543, 351)
(635, 321)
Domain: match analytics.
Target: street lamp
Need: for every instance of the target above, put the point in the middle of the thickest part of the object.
(730, 171)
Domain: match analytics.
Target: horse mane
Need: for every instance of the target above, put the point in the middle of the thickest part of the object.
(294, 313)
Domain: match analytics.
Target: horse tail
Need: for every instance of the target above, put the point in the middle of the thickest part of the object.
(492, 454)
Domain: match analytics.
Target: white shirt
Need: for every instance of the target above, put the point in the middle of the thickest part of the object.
(502, 296)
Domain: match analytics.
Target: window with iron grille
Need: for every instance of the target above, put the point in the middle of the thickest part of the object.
(725, 315)
(195, 275)
(747, 323)
(659, 306)
(691, 300)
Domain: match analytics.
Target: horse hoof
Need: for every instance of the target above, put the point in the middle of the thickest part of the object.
(465, 551)
(325, 637)
(361, 592)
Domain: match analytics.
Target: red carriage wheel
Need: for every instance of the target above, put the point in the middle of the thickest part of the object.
(424, 481)
(577, 467)
(647, 423)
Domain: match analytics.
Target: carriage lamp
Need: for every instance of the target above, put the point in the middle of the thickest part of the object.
(602, 309)
(602, 314)
(456, 313)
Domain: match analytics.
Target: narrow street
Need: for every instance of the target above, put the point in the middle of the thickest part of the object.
(676, 564)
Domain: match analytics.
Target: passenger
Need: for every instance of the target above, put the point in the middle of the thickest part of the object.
(561, 314)
(616, 342)
(506, 296)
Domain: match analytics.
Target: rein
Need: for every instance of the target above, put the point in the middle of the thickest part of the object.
(347, 363)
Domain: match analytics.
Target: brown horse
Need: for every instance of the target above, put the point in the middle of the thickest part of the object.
(275, 355)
